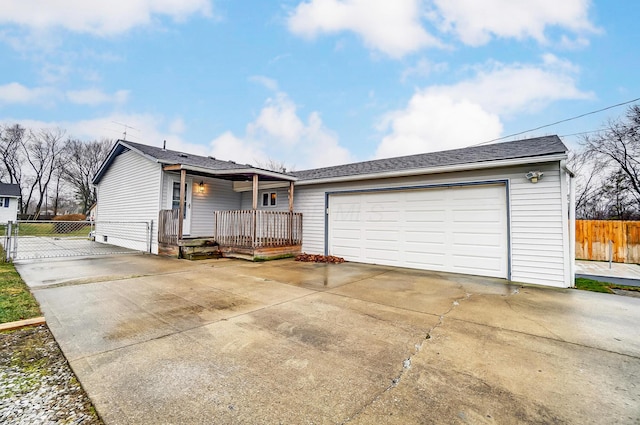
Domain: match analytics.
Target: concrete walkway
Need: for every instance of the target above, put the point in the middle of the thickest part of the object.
(164, 341)
(601, 268)
(618, 273)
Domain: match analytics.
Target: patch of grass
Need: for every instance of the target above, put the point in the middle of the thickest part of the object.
(593, 285)
(16, 302)
(80, 228)
(599, 286)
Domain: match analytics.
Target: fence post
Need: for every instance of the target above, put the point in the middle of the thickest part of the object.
(150, 236)
(14, 245)
(610, 252)
(7, 245)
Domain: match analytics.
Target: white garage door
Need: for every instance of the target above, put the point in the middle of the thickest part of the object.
(460, 229)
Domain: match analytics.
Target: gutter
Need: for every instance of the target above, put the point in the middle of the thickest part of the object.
(437, 170)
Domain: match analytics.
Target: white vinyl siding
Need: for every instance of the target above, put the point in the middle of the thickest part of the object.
(282, 203)
(129, 192)
(218, 195)
(536, 218)
(10, 211)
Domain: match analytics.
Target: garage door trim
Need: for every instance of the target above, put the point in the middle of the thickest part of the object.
(504, 182)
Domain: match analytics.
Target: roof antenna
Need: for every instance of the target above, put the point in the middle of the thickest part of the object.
(164, 146)
(126, 127)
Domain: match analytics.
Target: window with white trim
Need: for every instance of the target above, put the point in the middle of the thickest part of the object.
(4, 202)
(269, 199)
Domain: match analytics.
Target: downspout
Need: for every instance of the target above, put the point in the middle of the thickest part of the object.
(572, 221)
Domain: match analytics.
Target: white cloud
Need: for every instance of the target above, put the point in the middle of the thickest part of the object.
(266, 82)
(450, 116)
(279, 120)
(391, 27)
(97, 17)
(229, 147)
(177, 126)
(17, 93)
(476, 22)
(436, 122)
(142, 128)
(94, 97)
(508, 89)
(279, 133)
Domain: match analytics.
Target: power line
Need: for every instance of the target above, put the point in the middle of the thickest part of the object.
(558, 122)
(581, 133)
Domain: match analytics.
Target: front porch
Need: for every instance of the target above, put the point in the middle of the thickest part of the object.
(269, 230)
(249, 234)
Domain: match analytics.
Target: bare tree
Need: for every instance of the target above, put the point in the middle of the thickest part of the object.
(11, 154)
(43, 152)
(275, 165)
(615, 197)
(617, 148)
(589, 174)
(83, 161)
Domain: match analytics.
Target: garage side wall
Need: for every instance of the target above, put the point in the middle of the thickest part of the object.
(536, 222)
(129, 192)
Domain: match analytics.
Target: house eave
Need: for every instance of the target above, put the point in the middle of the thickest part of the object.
(438, 170)
(229, 172)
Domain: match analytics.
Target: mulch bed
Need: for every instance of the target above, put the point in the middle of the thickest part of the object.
(314, 258)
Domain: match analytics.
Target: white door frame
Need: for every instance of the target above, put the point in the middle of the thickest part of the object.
(186, 224)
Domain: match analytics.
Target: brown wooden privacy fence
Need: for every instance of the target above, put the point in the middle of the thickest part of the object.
(593, 240)
(249, 228)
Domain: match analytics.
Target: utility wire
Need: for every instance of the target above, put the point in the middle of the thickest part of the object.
(558, 122)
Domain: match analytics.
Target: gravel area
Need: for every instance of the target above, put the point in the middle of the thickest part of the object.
(37, 385)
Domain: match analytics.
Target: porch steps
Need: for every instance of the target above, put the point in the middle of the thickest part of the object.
(199, 249)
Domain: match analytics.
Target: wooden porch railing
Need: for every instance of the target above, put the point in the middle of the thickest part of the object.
(257, 228)
(168, 227)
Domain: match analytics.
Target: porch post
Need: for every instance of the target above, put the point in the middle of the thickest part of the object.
(290, 196)
(254, 218)
(255, 192)
(183, 180)
(290, 229)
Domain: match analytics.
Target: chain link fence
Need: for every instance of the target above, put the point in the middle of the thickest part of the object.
(29, 239)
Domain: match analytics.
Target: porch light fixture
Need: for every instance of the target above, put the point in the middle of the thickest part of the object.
(201, 187)
(534, 176)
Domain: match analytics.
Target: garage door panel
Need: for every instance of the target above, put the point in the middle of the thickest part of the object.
(476, 217)
(435, 216)
(479, 240)
(381, 254)
(459, 229)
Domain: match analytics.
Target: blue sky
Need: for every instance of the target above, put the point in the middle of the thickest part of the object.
(316, 82)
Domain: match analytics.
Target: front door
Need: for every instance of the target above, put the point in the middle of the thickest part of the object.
(174, 198)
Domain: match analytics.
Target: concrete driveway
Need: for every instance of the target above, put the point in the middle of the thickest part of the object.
(158, 341)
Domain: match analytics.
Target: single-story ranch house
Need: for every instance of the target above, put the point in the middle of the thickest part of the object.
(503, 210)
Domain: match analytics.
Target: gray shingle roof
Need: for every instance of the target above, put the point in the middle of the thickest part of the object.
(535, 147)
(167, 156)
(10, 189)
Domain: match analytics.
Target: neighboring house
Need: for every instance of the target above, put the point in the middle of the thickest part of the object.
(503, 210)
(9, 200)
(93, 210)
